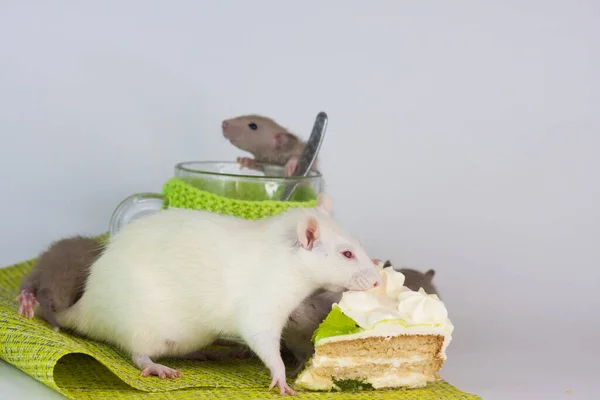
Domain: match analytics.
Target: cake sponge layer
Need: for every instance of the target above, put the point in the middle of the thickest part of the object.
(406, 361)
(389, 347)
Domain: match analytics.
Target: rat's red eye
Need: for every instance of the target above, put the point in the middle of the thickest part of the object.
(348, 254)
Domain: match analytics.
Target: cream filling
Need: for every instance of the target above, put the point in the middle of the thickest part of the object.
(389, 329)
(344, 362)
(309, 380)
(411, 379)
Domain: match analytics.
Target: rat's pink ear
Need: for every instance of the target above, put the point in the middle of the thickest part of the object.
(282, 140)
(308, 231)
(324, 203)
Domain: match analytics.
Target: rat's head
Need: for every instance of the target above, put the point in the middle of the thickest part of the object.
(257, 135)
(334, 258)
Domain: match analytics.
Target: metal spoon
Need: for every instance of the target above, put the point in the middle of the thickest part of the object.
(309, 155)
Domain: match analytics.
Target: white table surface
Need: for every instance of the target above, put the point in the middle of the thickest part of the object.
(15, 384)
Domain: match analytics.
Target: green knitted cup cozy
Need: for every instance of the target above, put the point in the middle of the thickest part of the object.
(249, 200)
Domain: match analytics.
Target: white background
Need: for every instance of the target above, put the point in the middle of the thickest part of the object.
(463, 136)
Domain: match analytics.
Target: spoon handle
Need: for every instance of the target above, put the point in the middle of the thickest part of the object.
(309, 155)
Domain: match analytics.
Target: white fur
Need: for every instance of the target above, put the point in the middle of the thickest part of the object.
(170, 282)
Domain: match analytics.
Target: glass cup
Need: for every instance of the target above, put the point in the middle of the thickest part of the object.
(223, 187)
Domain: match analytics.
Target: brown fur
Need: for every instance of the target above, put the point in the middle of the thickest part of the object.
(269, 143)
(58, 278)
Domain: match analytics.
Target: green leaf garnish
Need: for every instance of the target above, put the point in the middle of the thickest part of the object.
(336, 324)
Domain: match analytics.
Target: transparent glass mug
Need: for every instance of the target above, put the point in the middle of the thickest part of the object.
(226, 180)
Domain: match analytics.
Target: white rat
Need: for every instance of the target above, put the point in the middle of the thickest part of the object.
(266, 140)
(169, 283)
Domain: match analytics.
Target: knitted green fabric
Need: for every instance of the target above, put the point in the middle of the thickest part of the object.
(249, 200)
(85, 369)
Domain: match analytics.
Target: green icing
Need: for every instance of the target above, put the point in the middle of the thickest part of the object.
(337, 323)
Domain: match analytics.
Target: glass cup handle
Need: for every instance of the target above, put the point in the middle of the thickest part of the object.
(133, 207)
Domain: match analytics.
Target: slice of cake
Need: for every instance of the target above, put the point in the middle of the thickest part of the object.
(387, 337)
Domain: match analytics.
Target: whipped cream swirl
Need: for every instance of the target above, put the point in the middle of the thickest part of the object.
(392, 301)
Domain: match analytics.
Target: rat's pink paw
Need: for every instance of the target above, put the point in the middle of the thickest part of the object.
(246, 162)
(26, 302)
(161, 371)
(284, 389)
(291, 166)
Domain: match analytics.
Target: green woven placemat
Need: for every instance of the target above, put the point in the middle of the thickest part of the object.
(85, 369)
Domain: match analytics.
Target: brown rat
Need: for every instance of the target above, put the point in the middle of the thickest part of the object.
(266, 140)
(58, 278)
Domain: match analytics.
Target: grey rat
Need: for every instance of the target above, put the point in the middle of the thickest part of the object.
(266, 140)
(306, 318)
(58, 277)
(415, 280)
(171, 282)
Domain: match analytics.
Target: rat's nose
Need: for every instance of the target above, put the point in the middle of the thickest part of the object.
(224, 124)
(378, 281)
